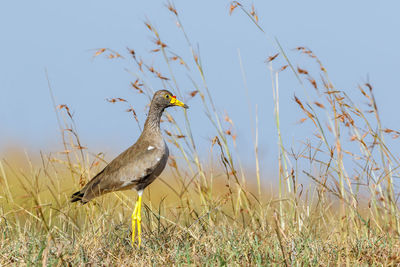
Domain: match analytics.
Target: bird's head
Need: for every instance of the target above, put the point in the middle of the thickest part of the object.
(165, 98)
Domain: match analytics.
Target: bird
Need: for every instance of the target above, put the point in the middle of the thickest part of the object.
(139, 165)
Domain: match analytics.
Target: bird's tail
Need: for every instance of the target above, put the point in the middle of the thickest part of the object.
(77, 196)
(89, 191)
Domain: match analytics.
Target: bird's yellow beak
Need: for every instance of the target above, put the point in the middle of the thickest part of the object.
(176, 102)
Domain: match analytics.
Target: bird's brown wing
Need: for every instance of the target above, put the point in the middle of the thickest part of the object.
(133, 165)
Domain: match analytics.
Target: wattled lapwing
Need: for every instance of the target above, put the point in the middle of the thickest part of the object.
(139, 165)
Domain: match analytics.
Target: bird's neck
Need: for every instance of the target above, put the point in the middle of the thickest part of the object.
(152, 123)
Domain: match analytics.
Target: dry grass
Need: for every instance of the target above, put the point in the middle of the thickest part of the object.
(217, 214)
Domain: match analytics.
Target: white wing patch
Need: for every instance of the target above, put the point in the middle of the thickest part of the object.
(150, 147)
(126, 183)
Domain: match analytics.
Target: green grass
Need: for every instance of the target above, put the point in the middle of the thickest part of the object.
(202, 214)
(224, 243)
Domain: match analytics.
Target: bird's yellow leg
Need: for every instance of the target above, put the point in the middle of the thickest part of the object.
(139, 221)
(134, 217)
(137, 218)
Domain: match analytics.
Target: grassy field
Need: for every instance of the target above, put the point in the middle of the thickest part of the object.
(203, 214)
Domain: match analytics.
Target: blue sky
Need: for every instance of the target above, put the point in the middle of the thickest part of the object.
(354, 39)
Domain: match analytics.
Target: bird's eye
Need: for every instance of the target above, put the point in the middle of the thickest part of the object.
(166, 96)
